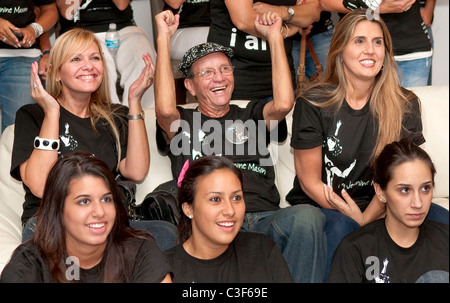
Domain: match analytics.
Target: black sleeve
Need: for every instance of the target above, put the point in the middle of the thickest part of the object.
(307, 131)
(27, 126)
(24, 267)
(151, 264)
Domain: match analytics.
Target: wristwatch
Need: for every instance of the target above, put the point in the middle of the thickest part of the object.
(291, 13)
(138, 116)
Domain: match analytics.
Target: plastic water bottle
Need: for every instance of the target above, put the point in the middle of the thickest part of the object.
(112, 40)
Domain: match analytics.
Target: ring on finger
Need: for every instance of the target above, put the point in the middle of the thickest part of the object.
(4, 39)
(30, 43)
(34, 85)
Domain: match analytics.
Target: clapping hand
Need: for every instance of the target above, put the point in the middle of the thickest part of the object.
(38, 92)
(145, 80)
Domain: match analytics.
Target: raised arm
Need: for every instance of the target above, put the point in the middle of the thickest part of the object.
(269, 26)
(243, 15)
(304, 13)
(165, 96)
(137, 161)
(35, 169)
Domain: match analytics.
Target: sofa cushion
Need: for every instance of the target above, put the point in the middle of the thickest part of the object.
(435, 119)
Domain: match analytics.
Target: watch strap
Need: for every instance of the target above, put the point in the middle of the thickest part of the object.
(291, 14)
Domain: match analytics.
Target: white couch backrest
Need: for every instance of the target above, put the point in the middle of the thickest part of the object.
(435, 115)
(435, 119)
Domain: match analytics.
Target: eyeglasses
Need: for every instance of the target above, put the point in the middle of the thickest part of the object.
(209, 73)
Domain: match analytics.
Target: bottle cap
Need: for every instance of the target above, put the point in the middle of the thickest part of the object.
(112, 26)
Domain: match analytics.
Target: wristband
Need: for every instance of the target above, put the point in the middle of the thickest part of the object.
(46, 144)
(45, 52)
(287, 30)
(38, 30)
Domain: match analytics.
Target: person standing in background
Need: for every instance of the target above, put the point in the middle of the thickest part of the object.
(96, 16)
(194, 25)
(404, 19)
(232, 26)
(20, 30)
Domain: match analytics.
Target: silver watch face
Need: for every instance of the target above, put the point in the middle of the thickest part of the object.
(291, 12)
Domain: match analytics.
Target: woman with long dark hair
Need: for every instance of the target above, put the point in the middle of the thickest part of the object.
(82, 232)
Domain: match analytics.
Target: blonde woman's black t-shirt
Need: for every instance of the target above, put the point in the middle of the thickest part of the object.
(250, 258)
(242, 136)
(75, 133)
(348, 138)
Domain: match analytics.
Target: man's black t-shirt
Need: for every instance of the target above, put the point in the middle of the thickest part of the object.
(242, 136)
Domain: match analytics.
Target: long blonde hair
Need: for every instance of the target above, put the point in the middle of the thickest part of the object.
(388, 100)
(100, 102)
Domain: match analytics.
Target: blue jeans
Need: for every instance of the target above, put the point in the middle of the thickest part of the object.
(15, 73)
(337, 226)
(415, 72)
(165, 233)
(298, 232)
(321, 44)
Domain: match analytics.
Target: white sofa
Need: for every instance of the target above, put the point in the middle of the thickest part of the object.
(435, 107)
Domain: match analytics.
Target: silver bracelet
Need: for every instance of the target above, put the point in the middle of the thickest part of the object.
(38, 30)
(46, 144)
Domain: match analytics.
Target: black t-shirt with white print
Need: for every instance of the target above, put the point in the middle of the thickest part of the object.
(369, 255)
(20, 13)
(75, 133)
(242, 136)
(347, 138)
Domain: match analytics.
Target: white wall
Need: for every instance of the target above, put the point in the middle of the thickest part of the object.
(142, 16)
(440, 29)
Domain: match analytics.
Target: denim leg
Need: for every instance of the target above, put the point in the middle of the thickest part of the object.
(15, 75)
(438, 213)
(165, 233)
(337, 226)
(321, 44)
(29, 228)
(298, 231)
(415, 72)
(434, 276)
